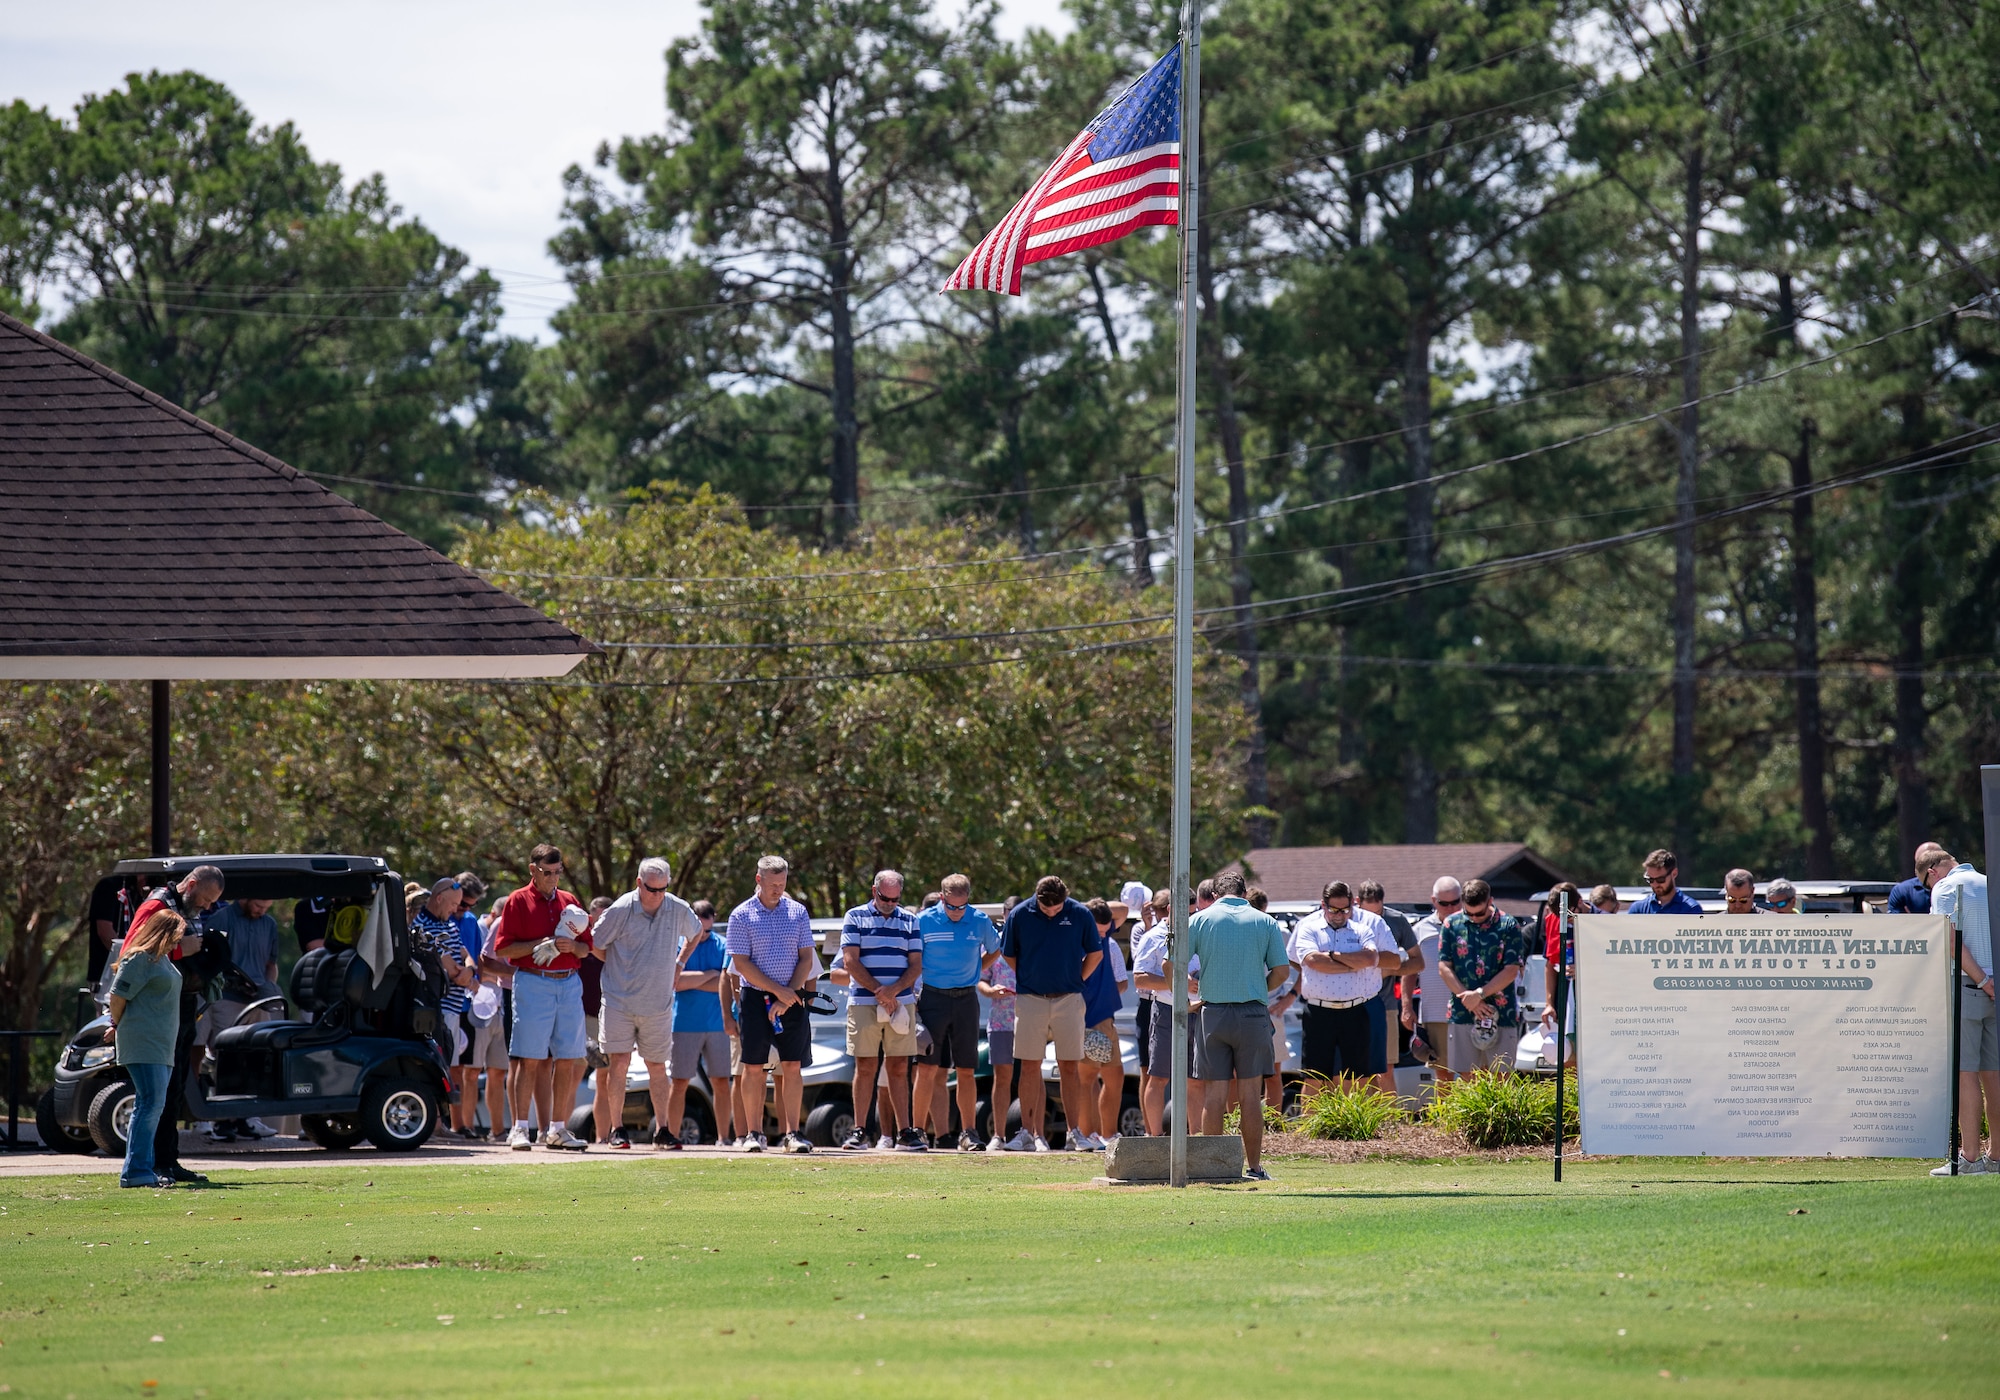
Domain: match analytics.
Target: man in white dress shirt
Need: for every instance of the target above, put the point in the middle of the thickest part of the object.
(1340, 952)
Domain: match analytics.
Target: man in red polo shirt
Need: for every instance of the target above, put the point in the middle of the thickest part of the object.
(545, 945)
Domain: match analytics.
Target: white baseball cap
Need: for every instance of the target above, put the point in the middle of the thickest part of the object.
(1134, 894)
(574, 918)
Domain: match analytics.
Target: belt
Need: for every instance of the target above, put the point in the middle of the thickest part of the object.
(552, 976)
(1339, 1005)
(954, 991)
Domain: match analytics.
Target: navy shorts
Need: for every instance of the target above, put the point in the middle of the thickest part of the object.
(792, 1035)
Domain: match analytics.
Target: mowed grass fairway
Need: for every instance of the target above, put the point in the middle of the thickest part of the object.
(781, 1277)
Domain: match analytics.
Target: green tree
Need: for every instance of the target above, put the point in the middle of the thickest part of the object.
(807, 142)
(215, 262)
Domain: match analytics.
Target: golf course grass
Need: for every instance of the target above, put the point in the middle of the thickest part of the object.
(781, 1277)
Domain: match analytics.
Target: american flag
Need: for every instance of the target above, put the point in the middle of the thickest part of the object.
(1122, 173)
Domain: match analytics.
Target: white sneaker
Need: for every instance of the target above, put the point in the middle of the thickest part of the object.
(1022, 1141)
(1041, 1144)
(213, 1133)
(517, 1138)
(885, 1144)
(561, 1139)
(1967, 1166)
(754, 1142)
(258, 1128)
(996, 1145)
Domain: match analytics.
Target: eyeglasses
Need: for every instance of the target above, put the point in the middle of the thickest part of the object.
(652, 889)
(555, 869)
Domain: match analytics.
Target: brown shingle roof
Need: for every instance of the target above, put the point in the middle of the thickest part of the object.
(138, 540)
(1406, 872)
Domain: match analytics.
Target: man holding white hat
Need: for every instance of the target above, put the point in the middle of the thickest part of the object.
(547, 936)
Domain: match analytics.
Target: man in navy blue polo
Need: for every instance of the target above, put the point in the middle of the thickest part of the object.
(1663, 875)
(1913, 896)
(1051, 943)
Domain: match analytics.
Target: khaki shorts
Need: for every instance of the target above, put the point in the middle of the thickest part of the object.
(1038, 1020)
(870, 1037)
(735, 1055)
(489, 1046)
(650, 1034)
(1464, 1056)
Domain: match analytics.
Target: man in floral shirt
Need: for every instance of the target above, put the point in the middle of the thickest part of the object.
(1480, 956)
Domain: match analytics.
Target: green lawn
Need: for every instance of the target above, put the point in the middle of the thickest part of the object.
(937, 1277)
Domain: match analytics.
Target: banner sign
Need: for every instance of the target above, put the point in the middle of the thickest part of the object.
(1764, 1035)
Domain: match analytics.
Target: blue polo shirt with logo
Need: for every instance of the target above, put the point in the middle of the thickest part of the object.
(1050, 949)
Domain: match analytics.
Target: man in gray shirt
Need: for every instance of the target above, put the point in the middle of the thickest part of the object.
(253, 947)
(639, 939)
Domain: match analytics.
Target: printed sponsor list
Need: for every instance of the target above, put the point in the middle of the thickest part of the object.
(1761, 1036)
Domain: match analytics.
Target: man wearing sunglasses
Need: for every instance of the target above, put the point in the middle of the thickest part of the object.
(546, 1043)
(1662, 875)
(960, 947)
(1433, 1006)
(639, 940)
(1480, 958)
(1339, 952)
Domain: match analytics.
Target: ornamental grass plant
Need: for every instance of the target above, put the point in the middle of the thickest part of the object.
(1503, 1110)
(1345, 1110)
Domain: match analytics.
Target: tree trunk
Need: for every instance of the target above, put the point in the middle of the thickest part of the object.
(845, 471)
(1906, 592)
(1135, 495)
(1805, 660)
(1243, 634)
(1353, 743)
(1024, 504)
(1420, 778)
(1684, 508)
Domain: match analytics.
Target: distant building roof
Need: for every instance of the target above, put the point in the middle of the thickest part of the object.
(139, 542)
(1406, 872)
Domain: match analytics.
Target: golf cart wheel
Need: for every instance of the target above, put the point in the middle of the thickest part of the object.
(398, 1115)
(830, 1123)
(333, 1134)
(60, 1137)
(1131, 1118)
(111, 1117)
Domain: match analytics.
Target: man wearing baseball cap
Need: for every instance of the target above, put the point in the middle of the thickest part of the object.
(546, 936)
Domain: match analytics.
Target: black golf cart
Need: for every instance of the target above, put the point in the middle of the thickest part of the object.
(361, 1059)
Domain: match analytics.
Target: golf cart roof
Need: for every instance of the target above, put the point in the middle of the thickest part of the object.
(268, 876)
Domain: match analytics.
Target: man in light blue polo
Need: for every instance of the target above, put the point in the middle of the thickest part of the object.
(960, 947)
(771, 950)
(1243, 960)
(1959, 893)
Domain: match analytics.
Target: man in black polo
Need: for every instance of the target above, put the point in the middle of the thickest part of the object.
(1051, 943)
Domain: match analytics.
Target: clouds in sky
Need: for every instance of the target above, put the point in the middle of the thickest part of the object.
(470, 110)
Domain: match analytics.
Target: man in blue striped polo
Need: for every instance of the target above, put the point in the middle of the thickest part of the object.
(882, 949)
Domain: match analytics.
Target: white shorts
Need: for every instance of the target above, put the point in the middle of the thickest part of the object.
(651, 1034)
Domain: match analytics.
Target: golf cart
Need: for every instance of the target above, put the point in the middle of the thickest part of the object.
(359, 1061)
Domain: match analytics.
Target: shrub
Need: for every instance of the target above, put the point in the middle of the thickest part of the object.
(1274, 1120)
(1503, 1110)
(1346, 1110)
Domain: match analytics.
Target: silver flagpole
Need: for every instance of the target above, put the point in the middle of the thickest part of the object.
(1184, 576)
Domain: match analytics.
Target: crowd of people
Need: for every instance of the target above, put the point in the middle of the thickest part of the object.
(542, 985)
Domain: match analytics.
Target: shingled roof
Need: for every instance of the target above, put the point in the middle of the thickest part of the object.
(1514, 870)
(139, 542)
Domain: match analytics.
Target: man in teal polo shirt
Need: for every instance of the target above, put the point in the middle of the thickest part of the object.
(1243, 960)
(960, 946)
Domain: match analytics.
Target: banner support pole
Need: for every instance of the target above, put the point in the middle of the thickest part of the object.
(1952, 1143)
(1562, 1004)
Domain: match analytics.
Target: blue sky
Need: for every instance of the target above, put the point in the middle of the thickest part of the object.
(471, 110)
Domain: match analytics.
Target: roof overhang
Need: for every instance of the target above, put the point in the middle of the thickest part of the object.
(285, 668)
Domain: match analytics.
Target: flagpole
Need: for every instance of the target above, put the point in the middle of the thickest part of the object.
(1190, 213)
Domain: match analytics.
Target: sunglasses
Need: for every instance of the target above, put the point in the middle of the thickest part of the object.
(652, 889)
(1664, 879)
(1445, 903)
(545, 869)
(962, 904)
